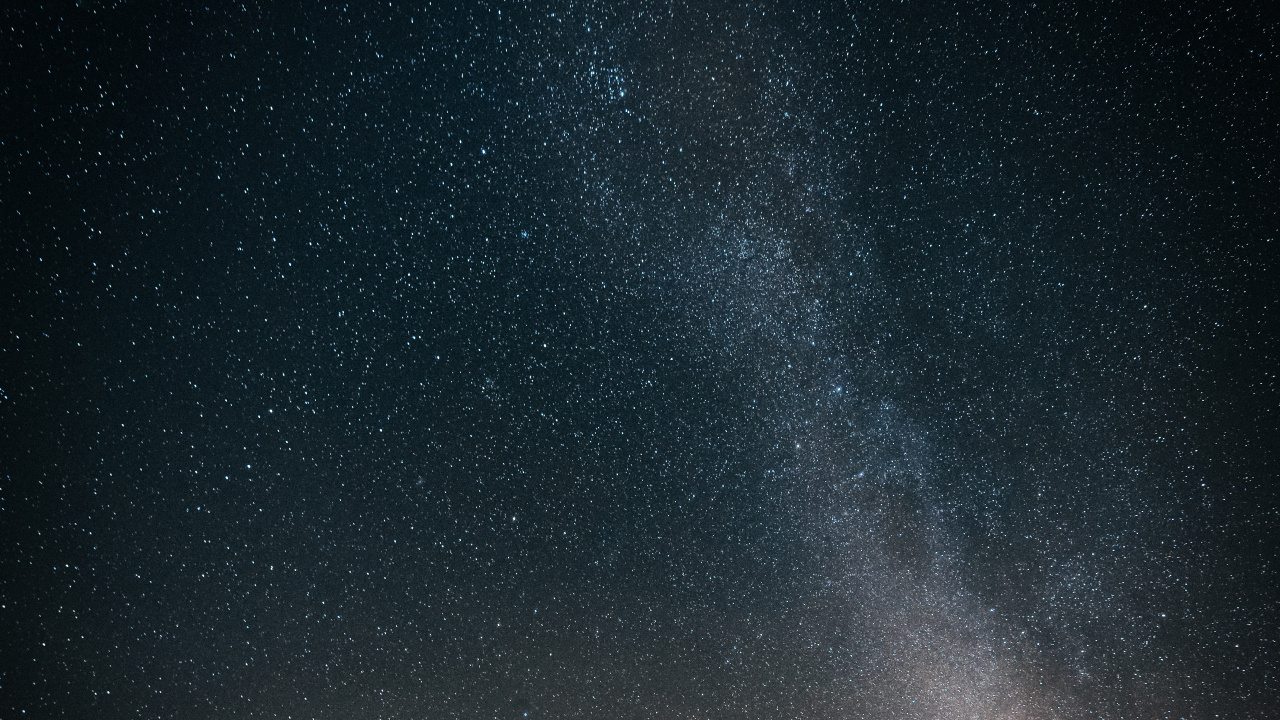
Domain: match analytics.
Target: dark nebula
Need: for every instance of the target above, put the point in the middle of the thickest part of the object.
(654, 360)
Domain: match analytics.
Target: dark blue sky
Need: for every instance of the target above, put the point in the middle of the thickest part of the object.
(883, 360)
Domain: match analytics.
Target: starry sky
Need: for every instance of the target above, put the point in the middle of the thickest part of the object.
(638, 360)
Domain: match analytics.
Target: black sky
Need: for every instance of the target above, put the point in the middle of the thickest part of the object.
(883, 360)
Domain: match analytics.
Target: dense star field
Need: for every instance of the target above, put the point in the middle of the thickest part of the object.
(655, 360)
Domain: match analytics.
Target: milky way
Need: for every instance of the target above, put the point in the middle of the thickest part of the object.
(899, 360)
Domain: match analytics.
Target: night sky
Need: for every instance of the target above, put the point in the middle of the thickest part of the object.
(660, 360)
